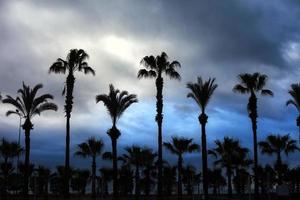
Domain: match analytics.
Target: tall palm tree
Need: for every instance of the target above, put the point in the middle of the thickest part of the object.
(155, 67)
(134, 156)
(253, 84)
(29, 105)
(75, 61)
(295, 100)
(227, 153)
(276, 144)
(180, 146)
(202, 92)
(91, 148)
(116, 102)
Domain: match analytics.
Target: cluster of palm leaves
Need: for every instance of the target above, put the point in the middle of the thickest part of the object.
(228, 153)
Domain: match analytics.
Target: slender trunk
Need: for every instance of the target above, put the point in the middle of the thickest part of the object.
(137, 181)
(279, 167)
(27, 126)
(159, 119)
(114, 134)
(179, 186)
(203, 120)
(94, 177)
(252, 107)
(229, 183)
(68, 109)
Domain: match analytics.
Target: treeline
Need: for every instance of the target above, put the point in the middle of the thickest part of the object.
(229, 156)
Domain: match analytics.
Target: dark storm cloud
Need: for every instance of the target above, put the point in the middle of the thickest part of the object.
(210, 38)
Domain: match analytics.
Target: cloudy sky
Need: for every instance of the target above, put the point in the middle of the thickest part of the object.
(209, 38)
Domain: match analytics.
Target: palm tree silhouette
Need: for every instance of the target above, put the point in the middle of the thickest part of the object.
(276, 144)
(169, 177)
(75, 61)
(154, 68)
(149, 159)
(253, 84)
(295, 94)
(91, 148)
(106, 177)
(116, 103)
(180, 146)
(29, 105)
(227, 152)
(201, 92)
(134, 156)
(79, 180)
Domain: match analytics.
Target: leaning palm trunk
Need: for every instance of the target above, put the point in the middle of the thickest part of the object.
(68, 110)
(27, 126)
(203, 120)
(114, 134)
(252, 107)
(159, 119)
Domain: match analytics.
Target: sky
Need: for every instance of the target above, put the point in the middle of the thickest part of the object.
(210, 38)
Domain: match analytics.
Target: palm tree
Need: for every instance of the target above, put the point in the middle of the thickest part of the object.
(91, 148)
(295, 94)
(106, 177)
(276, 144)
(202, 92)
(188, 178)
(149, 159)
(180, 146)
(227, 153)
(116, 103)
(169, 177)
(42, 178)
(154, 68)
(216, 180)
(29, 105)
(134, 156)
(253, 84)
(75, 61)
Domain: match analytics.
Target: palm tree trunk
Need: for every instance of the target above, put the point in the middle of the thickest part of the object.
(114, 134)
(68, 109)
(298, 124)
(94, 177)
(179, 177)
(252, 107)
(159, 119)
(229, 183)
(137, 182)
(203, 120)
(27, 126)
(279, 167)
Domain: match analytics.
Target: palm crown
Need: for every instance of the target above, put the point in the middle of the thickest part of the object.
(28, 104)
(277, 144)
(90, 148)
(252, 83)
(201, 91)
(76, 61)
(155, 66)
(116, 102)
(295, 93)
(181, 145)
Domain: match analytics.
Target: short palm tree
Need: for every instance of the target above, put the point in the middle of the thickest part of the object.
(276, 144)
(295, 100)
(149, 160)
(227, 153)
(91, 148)
(134, 156)
(253, 84)
(116, 102)
(180, 146)
(29, 105)
(202, 92)
(75, 61)
(155, 67)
